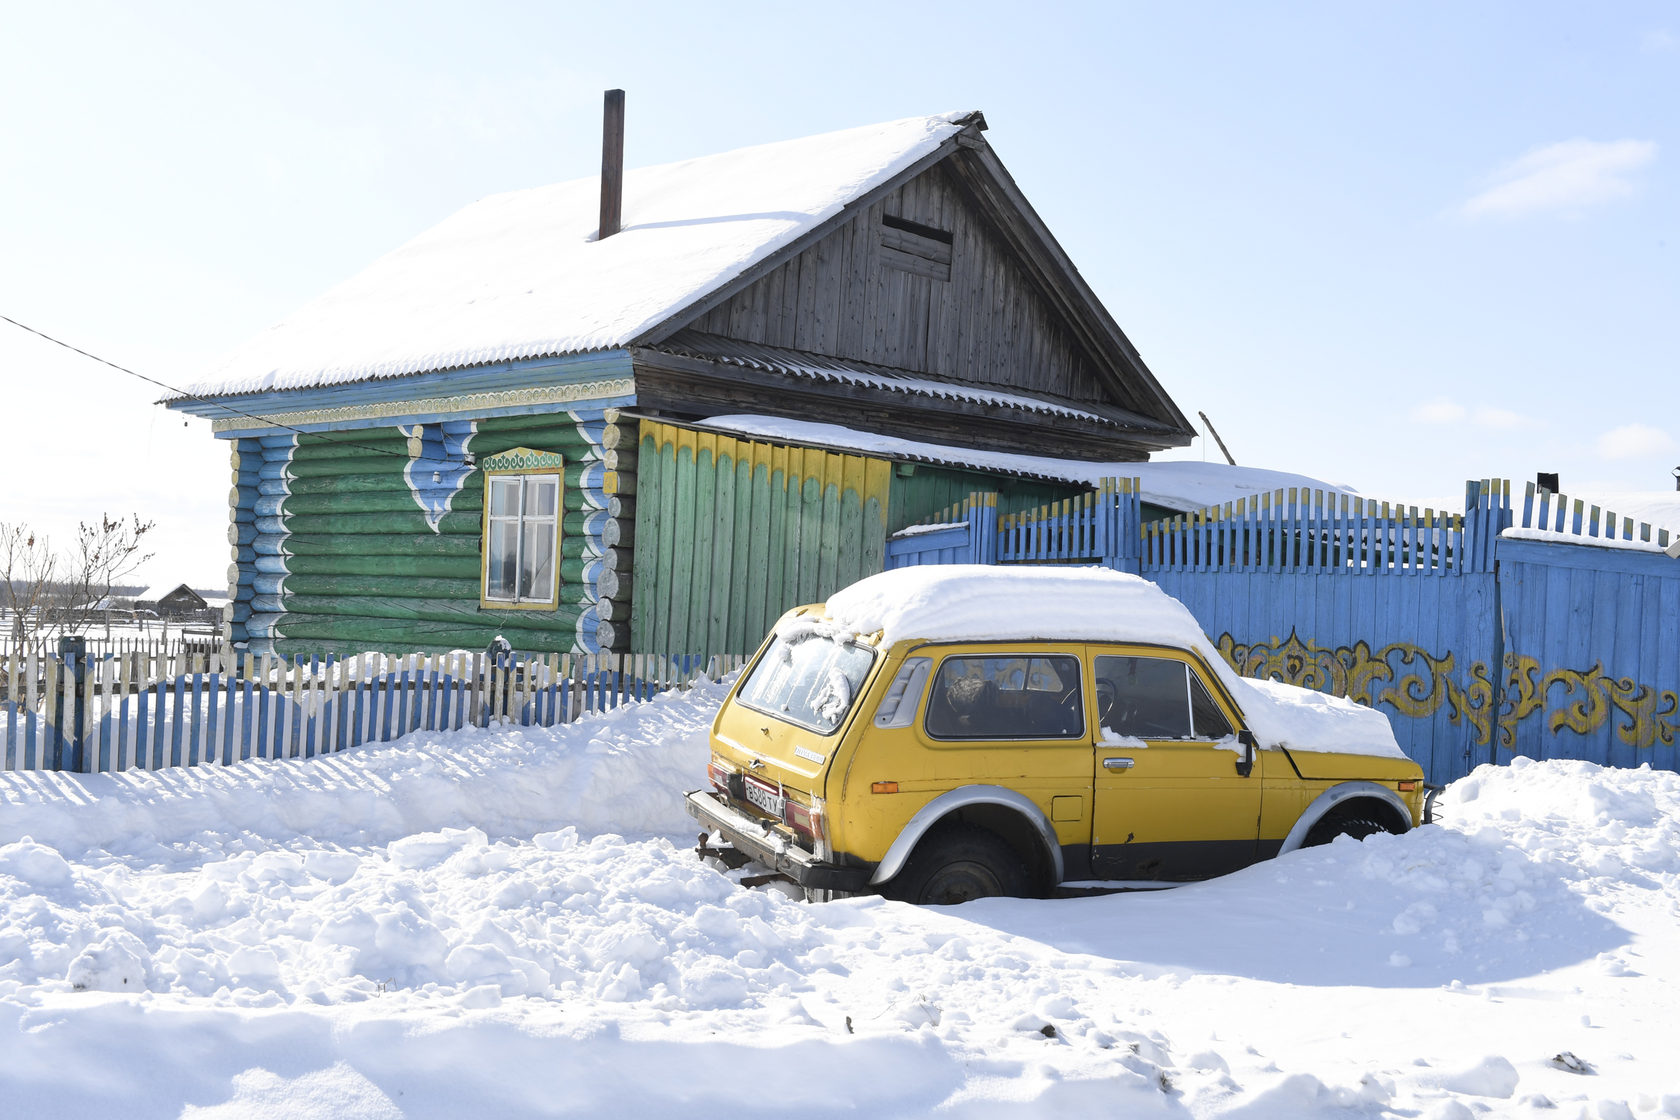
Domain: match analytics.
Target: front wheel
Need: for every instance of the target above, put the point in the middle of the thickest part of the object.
(1331, 827)
(953, 865)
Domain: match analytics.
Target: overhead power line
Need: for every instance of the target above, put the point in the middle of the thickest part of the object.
(268, 420)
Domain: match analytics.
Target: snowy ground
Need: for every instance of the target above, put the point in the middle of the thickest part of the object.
(509, 923)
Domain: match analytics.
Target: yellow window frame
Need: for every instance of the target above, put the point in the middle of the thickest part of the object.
(522, 463)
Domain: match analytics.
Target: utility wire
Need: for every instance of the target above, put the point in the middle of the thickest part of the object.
(194, 396)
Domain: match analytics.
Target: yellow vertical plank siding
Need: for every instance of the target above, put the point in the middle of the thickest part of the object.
(732, 532)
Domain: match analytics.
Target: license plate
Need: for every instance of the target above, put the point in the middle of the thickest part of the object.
(765, 798)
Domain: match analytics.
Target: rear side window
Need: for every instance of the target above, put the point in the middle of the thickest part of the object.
(810, 681)
(1006, 697)
(1155, 698)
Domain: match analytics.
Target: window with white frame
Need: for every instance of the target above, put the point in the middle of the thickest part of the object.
(522, 511)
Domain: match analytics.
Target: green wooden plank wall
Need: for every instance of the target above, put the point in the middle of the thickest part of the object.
(920, 491)
(371, 540)
(730, 533)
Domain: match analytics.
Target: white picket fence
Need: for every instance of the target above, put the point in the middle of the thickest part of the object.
(147, 711)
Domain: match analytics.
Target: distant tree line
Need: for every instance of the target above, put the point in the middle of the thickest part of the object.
(47, 593)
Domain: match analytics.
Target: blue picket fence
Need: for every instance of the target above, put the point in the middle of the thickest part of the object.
(1548, 628)
(97, 714)
(966, 533)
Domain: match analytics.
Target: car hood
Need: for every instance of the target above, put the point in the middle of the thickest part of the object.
(1284, 715)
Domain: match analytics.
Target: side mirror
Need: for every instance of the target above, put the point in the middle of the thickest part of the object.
(1245, 764)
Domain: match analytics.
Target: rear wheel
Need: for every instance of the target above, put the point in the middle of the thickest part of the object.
(958, 864)
(1329, 828)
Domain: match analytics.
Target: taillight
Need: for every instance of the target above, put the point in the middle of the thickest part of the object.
(718, 776)
(805, 820)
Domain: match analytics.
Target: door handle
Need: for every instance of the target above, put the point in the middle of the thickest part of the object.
(1117, 764)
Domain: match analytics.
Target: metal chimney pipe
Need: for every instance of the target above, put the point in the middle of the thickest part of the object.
(612, 163)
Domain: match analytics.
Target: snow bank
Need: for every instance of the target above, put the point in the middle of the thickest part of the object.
(515, 948)
(976, 602)
(621, 771)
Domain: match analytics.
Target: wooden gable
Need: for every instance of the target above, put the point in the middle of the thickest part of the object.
(920, 281)
(944, 274)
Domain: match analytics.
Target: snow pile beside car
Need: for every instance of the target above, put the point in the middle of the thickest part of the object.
(505, 923)
(978, 602)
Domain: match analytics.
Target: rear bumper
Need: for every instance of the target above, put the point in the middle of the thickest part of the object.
(773, 851)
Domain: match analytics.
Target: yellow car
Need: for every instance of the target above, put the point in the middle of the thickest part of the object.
(951, 732)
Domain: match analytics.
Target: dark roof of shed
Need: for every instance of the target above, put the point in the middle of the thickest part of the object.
(803, 365)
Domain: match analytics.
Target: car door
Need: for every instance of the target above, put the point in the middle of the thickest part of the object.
(1012, 715)
(1170, 799)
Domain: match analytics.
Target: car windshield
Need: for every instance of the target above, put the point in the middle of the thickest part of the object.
(808, 680)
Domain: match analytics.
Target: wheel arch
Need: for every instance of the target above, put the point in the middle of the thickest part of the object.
(1384, 804)
(996, 808)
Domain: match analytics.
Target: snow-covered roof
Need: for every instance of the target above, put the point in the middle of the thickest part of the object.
(1553, 536)
(520, 275)
(162, 591)
(983, 602)
(1174, 485)
(1658, 508)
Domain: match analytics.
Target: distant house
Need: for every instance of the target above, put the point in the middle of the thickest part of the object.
(504, 426)
(179, 603)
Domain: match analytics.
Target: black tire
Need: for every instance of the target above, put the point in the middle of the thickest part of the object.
(1329, 828)
(958, 864)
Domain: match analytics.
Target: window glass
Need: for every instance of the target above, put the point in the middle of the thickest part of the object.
(521, 538)
(504, 497)
(1006, 697)
(500, 571)
(1209, 722)
(539, 497)
(536, 560)
(898, 707)
(812, 682)
(1143, 697)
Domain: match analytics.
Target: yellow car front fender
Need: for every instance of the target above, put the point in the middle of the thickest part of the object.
(1339, 794)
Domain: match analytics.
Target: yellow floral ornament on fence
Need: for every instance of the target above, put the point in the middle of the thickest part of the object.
(1417, 683)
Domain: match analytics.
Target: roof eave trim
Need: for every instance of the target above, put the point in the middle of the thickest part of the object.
(840, 448)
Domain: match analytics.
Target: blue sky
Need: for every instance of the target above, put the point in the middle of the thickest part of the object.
(1392, 246)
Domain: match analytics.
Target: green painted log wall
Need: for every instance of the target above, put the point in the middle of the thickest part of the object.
(338, 553)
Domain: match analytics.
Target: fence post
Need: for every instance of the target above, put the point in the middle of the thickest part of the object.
(983, 528)
(72, 651)
(1121, 542)
(1487, 513)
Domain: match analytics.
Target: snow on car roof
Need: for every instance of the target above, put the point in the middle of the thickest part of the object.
(978, 602)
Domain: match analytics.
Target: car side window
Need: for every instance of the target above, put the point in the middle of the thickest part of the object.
(1207, 721)
(1143, 697)
(1155, 698)
(1006, 696)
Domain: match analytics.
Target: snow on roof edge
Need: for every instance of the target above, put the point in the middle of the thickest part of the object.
(520, 274)
(1173, 484)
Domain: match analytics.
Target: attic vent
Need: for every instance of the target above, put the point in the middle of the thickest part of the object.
(915, 248)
